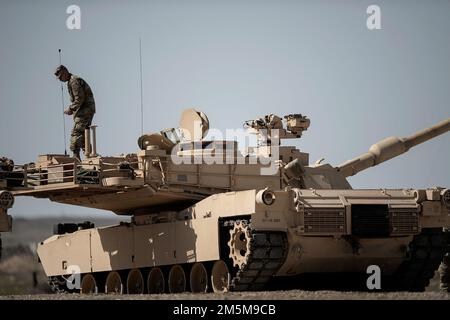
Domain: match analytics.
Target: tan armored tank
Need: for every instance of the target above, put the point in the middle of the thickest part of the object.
(208, 217)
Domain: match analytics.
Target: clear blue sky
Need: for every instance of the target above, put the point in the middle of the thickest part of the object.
(235, 60)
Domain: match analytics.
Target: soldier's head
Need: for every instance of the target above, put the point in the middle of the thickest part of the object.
(62, 73)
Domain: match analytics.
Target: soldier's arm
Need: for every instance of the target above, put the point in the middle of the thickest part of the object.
(78, 96)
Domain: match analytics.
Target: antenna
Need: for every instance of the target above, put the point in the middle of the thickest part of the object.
(142, 100)
(62, 104)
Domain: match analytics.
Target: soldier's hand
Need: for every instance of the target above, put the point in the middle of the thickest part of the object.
(68, 111)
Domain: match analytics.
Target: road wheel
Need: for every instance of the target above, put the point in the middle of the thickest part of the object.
(199, 278)
(220, 277)
(135, 282)
(177, 279)
(88, 284)
(114, 283)
(155, 281)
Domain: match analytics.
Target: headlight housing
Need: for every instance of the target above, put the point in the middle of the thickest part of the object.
(266, 197)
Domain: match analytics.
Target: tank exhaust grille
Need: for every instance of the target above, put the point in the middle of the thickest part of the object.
(325, 221)
(381, 221)
(370, 220)
(404, 221)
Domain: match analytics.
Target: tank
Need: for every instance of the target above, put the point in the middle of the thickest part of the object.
(207, 216)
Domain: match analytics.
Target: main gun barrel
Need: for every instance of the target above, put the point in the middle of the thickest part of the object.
(391, 147)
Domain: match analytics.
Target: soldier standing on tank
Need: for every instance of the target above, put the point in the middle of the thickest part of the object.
(82, 107)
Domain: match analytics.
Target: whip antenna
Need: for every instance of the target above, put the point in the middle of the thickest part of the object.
(62, 104)
(142, 100)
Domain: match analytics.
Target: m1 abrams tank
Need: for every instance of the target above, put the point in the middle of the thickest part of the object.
(207, 217)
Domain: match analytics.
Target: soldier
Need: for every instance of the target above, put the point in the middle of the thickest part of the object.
(82, 107)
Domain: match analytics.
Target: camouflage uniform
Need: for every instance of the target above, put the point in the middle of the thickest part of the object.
(444, 268)
(83, 107)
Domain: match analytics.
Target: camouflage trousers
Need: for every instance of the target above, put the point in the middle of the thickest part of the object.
(444, 268)
(77, 135)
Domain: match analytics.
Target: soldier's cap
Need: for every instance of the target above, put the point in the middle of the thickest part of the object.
(59, 69)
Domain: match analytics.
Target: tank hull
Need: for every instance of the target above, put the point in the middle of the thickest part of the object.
(301, 231)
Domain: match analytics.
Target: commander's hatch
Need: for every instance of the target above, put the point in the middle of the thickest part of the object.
(194, 126)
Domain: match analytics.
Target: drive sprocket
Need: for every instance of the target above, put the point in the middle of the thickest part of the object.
(240, 243)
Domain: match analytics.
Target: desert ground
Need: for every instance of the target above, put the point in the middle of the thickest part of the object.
(22, 277)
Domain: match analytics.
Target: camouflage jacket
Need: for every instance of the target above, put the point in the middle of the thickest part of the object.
(81, 96)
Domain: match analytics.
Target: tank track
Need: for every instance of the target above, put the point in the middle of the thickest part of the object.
(426, 252)
(267, 253)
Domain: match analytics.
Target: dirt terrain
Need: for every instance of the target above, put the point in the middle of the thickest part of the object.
(266, 295)
(22, 277)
